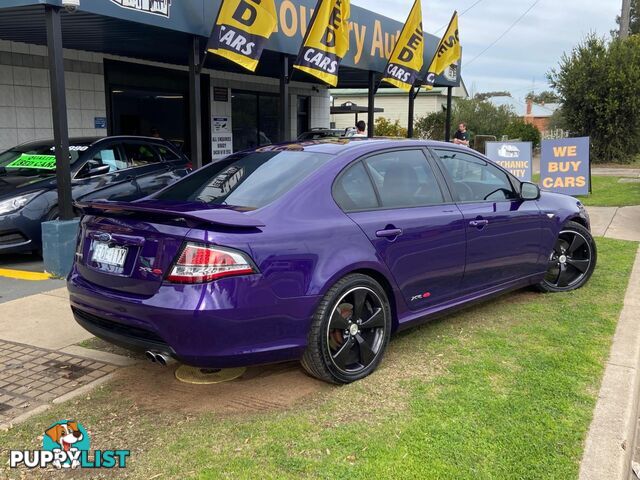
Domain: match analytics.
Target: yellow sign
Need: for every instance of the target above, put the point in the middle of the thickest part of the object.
(242, 30)
(448, 52)
(326, 42)
(406, 59)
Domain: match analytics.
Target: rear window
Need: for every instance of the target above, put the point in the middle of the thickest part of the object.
(247, 180)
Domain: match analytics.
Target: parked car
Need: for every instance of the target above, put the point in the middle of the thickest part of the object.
(321, 133)
(113, 168)
(318, 252)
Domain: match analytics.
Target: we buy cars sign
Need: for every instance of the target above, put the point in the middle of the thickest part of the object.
(564, 165)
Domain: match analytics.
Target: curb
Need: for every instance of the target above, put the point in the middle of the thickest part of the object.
(609, 442)
(100, 356)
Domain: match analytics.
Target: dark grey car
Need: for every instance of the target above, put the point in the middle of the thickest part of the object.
(113, 168)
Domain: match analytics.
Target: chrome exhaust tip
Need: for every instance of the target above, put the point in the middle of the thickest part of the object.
(164, 359)
(150, 356)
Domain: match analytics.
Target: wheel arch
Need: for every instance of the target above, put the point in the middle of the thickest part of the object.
(577, 219)
(388, 289)
(375, 273)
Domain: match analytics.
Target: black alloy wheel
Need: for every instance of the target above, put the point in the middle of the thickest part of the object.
(572, 260)
(355, 331)
(349, 332)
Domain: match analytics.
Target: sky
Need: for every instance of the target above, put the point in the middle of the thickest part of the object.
(519, 62)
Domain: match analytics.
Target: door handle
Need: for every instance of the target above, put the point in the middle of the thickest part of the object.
(479, 223)
(389, 233)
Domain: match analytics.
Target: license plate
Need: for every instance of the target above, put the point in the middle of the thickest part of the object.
(109, 255)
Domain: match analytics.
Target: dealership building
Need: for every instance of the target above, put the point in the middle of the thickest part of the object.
(140, 67)
(126, 71)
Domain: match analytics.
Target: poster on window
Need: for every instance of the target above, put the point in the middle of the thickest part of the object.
(564, 165)
(512, 156)
(222, 138)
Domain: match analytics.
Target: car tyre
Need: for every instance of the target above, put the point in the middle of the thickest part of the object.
(349, 332)
(572, 260)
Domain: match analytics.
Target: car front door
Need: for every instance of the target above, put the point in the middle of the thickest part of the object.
(503, 231)
(401, 204)
(105, 174)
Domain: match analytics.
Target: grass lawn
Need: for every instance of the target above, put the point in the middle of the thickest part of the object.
(607, 192)
(502, 390)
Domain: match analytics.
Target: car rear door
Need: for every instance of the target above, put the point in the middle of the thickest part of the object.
(503, 231)
(399, 201)
(146, 165)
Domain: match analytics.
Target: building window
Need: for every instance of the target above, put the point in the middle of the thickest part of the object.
(303, 114)
(254, 118)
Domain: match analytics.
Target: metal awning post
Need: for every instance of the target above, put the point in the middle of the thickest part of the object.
(195, 100)
(284, 110)
(447, 125)
(371, 106)
(412, 98)
(59, 111)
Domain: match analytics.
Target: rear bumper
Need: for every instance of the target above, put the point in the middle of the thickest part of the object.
(229, 323)
(124, 336)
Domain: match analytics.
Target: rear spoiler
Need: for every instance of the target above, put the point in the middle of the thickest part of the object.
(217, 216)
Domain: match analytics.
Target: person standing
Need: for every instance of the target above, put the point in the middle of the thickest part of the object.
(461, 137)
(361, 128)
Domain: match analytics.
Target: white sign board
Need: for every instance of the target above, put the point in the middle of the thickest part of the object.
(221, 137)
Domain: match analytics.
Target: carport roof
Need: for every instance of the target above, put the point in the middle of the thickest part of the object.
(104, 26)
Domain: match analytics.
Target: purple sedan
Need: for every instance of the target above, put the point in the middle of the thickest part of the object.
(318, 251)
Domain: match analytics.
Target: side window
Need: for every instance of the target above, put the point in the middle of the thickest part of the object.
(106, 160)
(166, 153)
(140, 154)
(353, 190)
(475, 180)
(404, 178)
(111, 156)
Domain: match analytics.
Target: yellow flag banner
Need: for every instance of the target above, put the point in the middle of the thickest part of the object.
(406, 59)
(448, 52)
(242, 30)
(326, 42)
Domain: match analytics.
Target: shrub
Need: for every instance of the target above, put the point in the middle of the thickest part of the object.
(524, 131)
(384, 128)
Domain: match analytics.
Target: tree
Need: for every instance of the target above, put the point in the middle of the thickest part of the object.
(543, 97)
(482, 118)
(524, 131)
(431, 126)
(488, 95)
(599, 85)
(634, 25)
(384, 128)
(557, 120)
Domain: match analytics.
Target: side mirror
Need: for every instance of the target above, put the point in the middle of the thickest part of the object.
(529, 191)
(98, 170)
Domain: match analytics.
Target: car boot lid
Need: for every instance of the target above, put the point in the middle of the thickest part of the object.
(219, 215)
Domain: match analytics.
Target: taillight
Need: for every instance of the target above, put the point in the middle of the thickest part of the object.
(201, 263)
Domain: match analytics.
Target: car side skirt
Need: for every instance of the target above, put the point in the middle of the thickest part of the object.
(416, 318)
